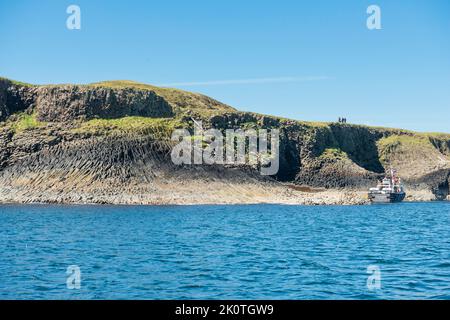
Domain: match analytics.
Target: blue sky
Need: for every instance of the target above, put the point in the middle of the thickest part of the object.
(307, 60)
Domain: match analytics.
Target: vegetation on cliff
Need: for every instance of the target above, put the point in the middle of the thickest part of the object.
(182, 101)
(85, 125)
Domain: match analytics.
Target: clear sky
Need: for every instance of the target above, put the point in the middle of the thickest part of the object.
(307, 60)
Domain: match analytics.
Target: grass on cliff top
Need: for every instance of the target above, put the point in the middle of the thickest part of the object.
(179, 99)
(437, 135)
(396, 140)
(402, 143)
(198, 105)
(395, 134)
(19, 83)
(416, 140)
(160, 127)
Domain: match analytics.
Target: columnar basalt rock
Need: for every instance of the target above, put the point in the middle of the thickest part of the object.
(48, 155)
(15, 98)
(68, 103)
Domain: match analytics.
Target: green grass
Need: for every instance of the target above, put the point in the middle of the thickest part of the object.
(315, 124)
(24, 122)
(333, 154)
(159, 127)
(397, 140)
(196, 105)
(437, 135)
(402, 143)
(19, 83)
(179, 99)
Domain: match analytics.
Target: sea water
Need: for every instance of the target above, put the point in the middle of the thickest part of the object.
(225, 252)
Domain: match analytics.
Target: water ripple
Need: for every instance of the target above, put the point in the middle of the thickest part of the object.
(225, 252)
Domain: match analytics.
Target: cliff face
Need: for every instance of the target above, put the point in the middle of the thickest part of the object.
(110, 143)
(68, 103)
(14, 98)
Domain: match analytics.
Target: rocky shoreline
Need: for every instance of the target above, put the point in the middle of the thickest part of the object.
(235, 195)
(110, 144)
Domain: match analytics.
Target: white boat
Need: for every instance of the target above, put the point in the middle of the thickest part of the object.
(388, 190)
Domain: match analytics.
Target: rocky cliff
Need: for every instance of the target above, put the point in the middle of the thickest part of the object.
(110, 143)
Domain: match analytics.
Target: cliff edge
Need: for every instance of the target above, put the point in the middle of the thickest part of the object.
(109, 142)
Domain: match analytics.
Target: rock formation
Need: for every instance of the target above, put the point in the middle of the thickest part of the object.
(110, 143)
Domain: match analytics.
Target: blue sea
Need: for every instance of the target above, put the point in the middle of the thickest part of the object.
(225, 252)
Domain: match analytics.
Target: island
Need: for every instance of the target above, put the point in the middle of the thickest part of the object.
(110, 143)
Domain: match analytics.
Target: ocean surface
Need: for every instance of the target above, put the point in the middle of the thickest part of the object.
(225, 252)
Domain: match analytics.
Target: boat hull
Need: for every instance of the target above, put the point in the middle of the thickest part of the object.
(386, 197)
